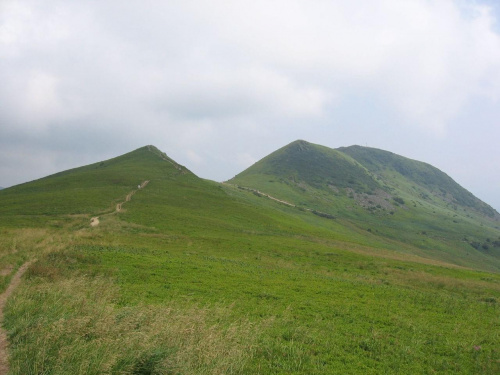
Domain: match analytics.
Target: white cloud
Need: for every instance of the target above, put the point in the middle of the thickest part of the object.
(193, 76)
(244, 159)
(194, 157)
(284, 58)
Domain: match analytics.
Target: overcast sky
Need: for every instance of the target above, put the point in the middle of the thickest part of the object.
(217, 85)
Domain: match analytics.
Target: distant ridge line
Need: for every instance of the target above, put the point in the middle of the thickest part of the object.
(163, 156)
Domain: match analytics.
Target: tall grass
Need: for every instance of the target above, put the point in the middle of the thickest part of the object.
(19, 245)
(76, 328)
(124, 309)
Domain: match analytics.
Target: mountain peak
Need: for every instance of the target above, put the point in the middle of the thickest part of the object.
(299, 143)
(92, 187)
(301, 162)
(361, 170)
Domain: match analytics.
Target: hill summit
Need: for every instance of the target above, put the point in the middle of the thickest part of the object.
(390, 196)
(319, 166)
(91, 188)
(358, 170)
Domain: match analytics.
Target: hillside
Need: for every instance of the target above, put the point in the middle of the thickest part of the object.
(430, 180)
(191, 276)
(90, 189)
(316, 166)
(395, 197)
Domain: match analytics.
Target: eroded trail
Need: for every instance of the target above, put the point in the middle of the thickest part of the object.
(262, 194)
(95, 220)
(258, 192)
(4, 358)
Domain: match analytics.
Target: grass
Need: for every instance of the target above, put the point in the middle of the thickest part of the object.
(421, 174)
(91, 189)
(307, 309)
(16, 247)
(194, 277)
(407, 202)
(302, 161)
(78, 329)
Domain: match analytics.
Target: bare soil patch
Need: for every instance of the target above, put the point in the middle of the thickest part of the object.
(95, 220)
(4, 357)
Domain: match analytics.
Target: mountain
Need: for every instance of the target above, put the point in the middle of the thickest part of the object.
(89, 189)
(430, 180)
(315, 165)
(359, 195)
(392, 196)
(361, 170)
(313, 261)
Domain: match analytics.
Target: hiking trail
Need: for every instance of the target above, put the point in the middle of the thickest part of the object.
(260, 193)
(16, 279)
(95, 220)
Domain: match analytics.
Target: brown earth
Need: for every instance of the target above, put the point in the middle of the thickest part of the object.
(95, 220)
(16, 279)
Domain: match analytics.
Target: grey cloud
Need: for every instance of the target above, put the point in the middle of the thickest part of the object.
(218, 85)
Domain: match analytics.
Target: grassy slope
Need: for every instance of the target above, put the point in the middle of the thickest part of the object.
(91, 189)
(430, 179)
(198, 277)
(407, 201)
(299, 161)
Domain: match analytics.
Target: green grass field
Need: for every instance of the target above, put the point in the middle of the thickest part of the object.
(196, 277)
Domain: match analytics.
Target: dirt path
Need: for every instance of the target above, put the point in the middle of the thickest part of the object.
(95, 220)
(262, 194)
(320, 213)
(4, 358)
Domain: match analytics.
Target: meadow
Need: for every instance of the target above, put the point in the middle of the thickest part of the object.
(195, 277)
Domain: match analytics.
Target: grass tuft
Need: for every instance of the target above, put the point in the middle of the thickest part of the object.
(78, 329)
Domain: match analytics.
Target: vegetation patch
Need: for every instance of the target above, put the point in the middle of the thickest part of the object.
(76, 328)
(196, 277)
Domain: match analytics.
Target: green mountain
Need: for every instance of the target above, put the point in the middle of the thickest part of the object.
(431, 182)
(90, 189)
(313, 261)
(386, 194)
(315, 165)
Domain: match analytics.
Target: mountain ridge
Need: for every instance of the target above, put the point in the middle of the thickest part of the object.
(363, 170)
(371, 277)
(421, 173)
(91, 188)
(364, 202)
(400, 199)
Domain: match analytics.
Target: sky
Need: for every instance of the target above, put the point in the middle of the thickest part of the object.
(218, 85)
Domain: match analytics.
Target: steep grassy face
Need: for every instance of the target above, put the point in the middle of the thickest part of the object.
(317, 166)
(392, 197)
(430, 179)
(91, 189)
